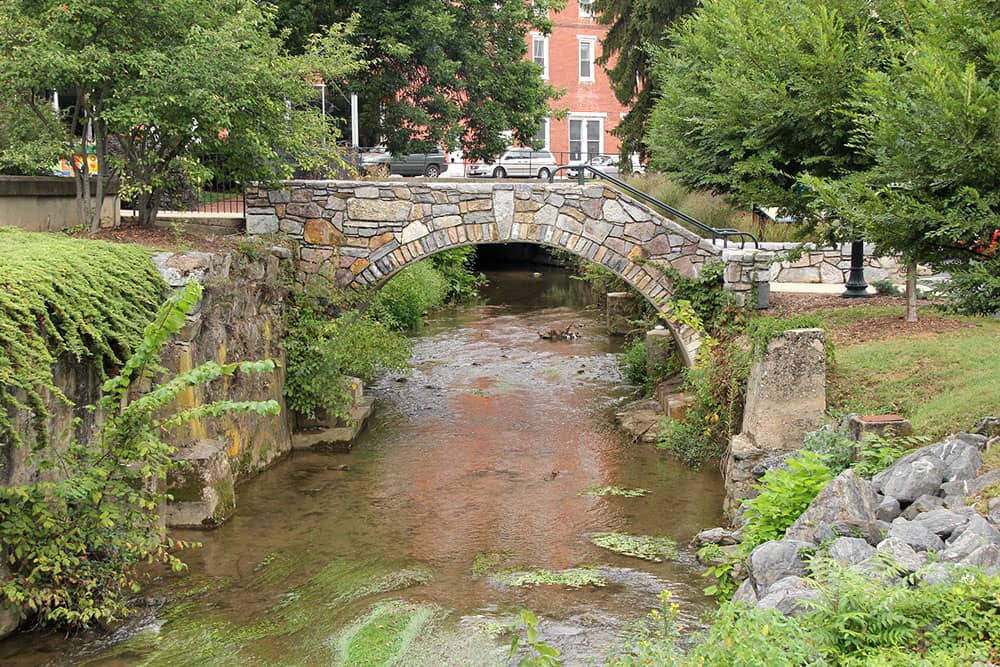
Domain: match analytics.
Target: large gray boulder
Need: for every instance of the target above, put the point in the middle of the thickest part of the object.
(888, 509)
(719, 536)
(942, 522)
(911, 477)
(971, 487)
(977, 533)
(917, 536)
(745, 593)
(924, 503)
(901, 554)
(847, 499)
(986, 558)
(789, 596)
(850, 550)
(775, 560)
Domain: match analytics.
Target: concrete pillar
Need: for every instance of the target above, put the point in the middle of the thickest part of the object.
(620, 307)
(786, 398)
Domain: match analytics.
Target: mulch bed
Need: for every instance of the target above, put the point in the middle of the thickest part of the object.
(162, 239)
(785, 304)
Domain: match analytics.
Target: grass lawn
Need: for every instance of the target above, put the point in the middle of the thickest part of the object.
(944, 376)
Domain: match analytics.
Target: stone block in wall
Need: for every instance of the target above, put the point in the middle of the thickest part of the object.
(262, 223)
(202, 488)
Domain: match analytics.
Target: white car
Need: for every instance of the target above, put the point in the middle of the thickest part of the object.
(517, 162)
(607, 164)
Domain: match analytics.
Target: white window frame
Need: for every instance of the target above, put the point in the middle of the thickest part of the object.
(592, 42)
(544, 39)
(548, 127)
(586, 8)
(583, 117)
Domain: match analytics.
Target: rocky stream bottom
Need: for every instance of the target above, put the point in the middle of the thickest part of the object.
(475, 491)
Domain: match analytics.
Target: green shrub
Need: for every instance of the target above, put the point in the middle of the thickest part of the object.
(785, 493)
(886, 288)
(322, 351)
(632, 363)
(456, 266)
(833, 446)
(689, 441)
(73, 544)
(974, 288)
(403, 301)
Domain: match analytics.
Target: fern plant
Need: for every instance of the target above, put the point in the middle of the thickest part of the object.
(72, 544)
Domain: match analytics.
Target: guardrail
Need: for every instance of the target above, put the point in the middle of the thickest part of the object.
(723, 233)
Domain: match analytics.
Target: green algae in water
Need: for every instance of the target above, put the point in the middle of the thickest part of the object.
(297, 630)
(574, 577)
(652, 548)
(614, 491)
(487, 561)
(384, 634)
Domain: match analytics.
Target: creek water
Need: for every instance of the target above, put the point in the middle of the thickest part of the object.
(478, 456)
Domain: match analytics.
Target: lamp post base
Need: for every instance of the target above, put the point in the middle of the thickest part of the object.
(856, 285)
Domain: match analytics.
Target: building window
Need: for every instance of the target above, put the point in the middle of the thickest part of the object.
(587, 8)
(586, 136)
(541, 137)
(540, 52)
(587, 58)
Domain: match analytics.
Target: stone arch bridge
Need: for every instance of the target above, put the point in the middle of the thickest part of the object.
(361, 233)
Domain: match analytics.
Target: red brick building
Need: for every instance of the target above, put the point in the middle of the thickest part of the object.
(568, 57)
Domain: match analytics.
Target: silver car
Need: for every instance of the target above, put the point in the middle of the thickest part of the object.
(517, 162)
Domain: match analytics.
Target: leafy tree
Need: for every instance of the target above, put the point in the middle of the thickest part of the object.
(931, 128)
(637, 27)
(753, 95)
(439, 72)
(72, 544)
(163, 83)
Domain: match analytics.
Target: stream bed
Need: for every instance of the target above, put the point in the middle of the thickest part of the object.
(474, 463)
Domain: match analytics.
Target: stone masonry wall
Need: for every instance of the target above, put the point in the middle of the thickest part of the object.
(240, 318)
(362, 233)
(831, 265)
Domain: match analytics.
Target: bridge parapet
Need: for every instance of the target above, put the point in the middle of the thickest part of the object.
(359, 233)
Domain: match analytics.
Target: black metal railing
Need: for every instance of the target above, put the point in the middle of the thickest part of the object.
(579, 171)
(219, 192)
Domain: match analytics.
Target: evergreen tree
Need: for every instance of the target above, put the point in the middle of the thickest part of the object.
(637, 27)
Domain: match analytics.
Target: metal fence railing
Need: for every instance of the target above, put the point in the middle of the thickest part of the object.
(219, 192)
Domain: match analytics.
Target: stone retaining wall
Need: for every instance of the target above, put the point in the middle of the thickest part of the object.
(831, 265)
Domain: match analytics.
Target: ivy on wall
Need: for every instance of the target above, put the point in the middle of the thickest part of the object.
(88, 299)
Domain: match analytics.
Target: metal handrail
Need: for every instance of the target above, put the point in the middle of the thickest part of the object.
(724, 233)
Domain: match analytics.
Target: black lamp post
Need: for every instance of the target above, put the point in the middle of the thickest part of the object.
(856, 285)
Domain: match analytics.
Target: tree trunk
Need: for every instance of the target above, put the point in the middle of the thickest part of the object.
(911, 292)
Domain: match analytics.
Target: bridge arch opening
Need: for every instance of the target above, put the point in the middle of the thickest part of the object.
(650, 283)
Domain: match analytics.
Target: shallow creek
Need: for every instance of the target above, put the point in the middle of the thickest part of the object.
(368, 557)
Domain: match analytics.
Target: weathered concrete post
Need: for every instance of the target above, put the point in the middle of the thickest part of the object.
(786, 398)
(620, 306)
(660, 345)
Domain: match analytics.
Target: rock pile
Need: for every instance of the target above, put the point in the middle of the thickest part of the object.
(915, 514)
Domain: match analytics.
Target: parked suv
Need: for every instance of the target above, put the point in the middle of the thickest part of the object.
(517, 162)
(431, 164)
